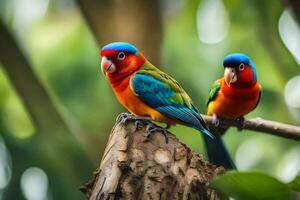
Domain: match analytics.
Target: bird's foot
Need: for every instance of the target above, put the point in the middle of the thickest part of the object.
(241, 122)
(152, 128)
(123, 118)
(139, 121)
(138, 125)
(215, 120)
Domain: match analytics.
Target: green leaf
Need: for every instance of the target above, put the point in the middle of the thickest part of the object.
(295, 184)
(251, 185)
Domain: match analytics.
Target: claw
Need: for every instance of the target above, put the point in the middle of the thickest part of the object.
(215, 120)
(123, 118)
(138, 125)
(152, 128)
(241, 121)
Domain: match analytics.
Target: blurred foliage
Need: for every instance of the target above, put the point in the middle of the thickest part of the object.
(251, 185)
(295, 184)
(63, 53)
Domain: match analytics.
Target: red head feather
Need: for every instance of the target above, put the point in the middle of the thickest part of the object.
(124, 57)
(239, 71)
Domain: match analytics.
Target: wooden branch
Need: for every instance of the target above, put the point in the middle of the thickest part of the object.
(261, 125)
(136, 167)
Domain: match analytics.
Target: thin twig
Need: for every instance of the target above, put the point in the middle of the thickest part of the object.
(260, 125)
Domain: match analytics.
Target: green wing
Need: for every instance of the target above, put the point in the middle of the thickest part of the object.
(213, 91)
(180, 96)
(163, 93)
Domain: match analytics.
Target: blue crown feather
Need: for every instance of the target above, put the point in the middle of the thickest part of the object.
(234, 59)
(121, 46)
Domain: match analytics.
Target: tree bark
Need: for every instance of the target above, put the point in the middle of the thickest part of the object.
(136, 167)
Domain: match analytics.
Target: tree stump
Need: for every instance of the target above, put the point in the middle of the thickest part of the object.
(136, 167)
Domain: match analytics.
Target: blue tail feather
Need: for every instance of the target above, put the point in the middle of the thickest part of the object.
(206, 132)
(216, 151)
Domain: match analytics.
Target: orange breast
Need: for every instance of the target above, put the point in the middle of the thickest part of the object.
(232, 103)
(135, 106)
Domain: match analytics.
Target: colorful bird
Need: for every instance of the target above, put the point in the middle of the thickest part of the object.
(231, 97)
(147, 92)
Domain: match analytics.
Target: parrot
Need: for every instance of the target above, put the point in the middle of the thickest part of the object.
(147, 92)
(231, 97)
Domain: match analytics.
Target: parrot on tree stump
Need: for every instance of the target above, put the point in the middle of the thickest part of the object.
(147, 92)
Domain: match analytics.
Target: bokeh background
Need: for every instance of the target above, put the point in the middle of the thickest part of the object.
(57, 109)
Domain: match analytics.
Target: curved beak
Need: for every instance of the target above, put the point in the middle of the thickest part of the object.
(230, 76)
(107, 66)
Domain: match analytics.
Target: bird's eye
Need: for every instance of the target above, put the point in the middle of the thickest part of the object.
(241, 66)
(121, 56)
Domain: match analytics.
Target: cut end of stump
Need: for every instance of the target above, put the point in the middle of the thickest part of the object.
(136, 167)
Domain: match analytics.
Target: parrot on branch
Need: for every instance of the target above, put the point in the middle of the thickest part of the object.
(147, 92)
(231, 97)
